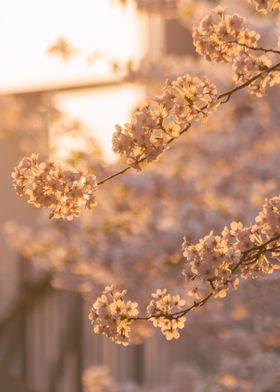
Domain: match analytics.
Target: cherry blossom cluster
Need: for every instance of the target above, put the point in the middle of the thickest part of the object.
(111, 315)
(49, 185)
(247, 66)
(164, 118)
(268, 220)
(217, 34)
(98, 379)
(161, 311)
(225, 38)
(266, 5)
(215, 261)
(214, 265)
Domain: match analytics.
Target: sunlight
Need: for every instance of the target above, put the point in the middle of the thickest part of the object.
(100, 27)
(97, 26)
(101, 109)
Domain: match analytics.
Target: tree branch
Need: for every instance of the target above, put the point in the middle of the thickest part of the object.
(257, 49)
(227, 95)
(254, 253)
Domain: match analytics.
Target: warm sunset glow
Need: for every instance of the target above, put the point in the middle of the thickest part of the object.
(140, 205)
(108, 30)
(90, 26)
(92, 108)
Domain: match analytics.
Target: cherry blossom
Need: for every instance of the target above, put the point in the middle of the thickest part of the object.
(49, 185)
(111, 315)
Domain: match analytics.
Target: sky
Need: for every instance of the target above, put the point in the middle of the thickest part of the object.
(29, 27)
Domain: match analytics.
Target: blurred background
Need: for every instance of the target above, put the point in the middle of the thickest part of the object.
(69, 72)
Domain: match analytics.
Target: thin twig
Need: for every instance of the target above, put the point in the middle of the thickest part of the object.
(229, 93)
(140, 161)
(257, 49)
(114, 175)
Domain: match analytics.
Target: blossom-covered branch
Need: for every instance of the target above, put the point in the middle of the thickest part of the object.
(257, 48)
(225, 38)
(161, 120)
(166, 117)
(125, 141)
(213, 267)
(41, 182)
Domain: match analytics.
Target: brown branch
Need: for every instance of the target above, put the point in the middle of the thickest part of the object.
(114, 175)
(257, 49)
(141, 160)
(227, 95)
